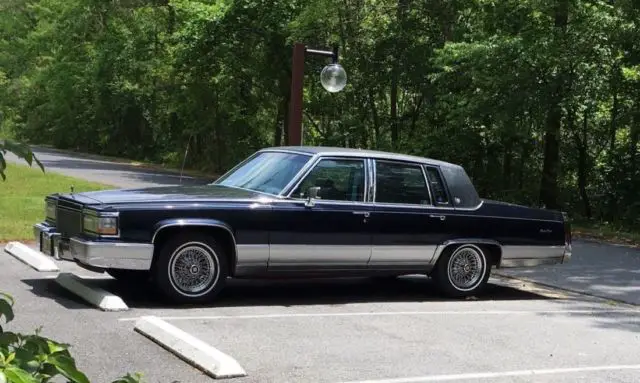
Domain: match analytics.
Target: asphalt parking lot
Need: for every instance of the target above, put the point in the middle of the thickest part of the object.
(347, 330)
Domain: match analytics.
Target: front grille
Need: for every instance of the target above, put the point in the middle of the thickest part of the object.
(69, 218)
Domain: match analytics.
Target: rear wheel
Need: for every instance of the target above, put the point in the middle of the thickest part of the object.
(191, 268)
(462, 271)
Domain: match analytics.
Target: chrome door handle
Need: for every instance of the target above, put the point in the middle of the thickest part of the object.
(365, 213)
(440, 217)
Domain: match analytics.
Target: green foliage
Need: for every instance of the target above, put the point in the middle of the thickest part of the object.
(537, 99)
(21, 150)
(35, 358)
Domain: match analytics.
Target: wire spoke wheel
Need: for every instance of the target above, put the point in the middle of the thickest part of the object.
(193, 269)
(466, 268)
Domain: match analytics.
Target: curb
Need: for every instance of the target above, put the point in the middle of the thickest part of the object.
(573, 291)
(98, 297)
(30, 257)
(189, 348)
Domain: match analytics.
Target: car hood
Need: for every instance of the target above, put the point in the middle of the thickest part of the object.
(164, 194)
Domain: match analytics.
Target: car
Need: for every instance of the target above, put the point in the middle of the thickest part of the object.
(304, 212)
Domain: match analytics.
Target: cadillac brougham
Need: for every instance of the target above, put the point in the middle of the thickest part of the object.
(304, 212)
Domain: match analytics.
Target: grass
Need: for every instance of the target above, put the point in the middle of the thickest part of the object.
(606, 233)
(22, 198)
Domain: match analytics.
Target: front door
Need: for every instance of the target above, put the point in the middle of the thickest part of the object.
(333, 234)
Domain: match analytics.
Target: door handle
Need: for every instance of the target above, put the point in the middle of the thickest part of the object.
(365, 213)
(440, 217)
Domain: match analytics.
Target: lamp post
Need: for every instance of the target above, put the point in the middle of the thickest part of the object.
(333, 78)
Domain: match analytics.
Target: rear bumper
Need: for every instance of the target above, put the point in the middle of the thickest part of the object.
(94, 254)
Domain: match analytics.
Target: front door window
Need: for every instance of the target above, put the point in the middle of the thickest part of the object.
(338, 179)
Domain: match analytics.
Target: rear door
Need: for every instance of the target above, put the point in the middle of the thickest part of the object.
(406, 225)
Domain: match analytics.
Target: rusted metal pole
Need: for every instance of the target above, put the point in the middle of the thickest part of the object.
(295, 102)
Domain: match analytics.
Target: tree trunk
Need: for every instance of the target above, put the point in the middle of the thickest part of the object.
(551, 166)
(583, 163)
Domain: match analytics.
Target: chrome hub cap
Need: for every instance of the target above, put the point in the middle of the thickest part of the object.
(465, 268)
(192, 269)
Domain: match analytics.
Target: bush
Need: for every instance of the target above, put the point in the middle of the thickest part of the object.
(37, 359)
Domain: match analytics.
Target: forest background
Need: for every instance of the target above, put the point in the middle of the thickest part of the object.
(538, 99)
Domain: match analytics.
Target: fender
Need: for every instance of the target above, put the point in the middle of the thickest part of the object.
(202, 222)
(461, 241)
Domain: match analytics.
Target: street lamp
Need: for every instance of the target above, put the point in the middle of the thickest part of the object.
(333, 78)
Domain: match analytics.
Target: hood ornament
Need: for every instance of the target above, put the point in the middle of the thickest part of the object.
(71, 189)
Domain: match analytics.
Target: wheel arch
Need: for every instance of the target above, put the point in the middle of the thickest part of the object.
(491, 248)
(223, 232)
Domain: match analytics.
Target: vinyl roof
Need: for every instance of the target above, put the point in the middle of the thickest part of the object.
(329, 150)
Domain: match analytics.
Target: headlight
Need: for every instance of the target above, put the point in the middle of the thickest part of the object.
(50, 210)
(94, 224)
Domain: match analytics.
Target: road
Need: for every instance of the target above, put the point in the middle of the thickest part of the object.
(352, 330)
(106, 172)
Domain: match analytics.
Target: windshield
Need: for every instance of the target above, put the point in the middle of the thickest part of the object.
(267, 172)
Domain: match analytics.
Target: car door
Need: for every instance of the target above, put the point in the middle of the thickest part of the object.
(406, 226)
(332, 234)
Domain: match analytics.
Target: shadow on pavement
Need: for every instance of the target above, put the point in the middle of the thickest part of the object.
(627, 320)
(48, 288)
(240, 293)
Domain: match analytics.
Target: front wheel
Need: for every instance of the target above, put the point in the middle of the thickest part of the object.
(191, 268)
(462, 271)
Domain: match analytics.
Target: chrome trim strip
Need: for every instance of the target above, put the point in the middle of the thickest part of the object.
(461, 241)
(532, 252)
(426, 181)
(320, 256)
(194, 222)
(527, 262)
(371, 187)
(253, 255)
(117, 255)
(402, 255)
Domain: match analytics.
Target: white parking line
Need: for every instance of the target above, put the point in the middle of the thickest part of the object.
(388, 313)
(189, 348)
(98, 297)
(493, 375)
(30, 257)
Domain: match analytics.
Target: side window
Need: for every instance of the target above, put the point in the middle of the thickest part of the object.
(437, 186)
(339, 180)
(400, 183)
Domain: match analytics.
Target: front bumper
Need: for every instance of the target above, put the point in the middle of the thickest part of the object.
(94, 254)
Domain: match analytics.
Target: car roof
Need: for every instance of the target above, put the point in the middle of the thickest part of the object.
(338, 151)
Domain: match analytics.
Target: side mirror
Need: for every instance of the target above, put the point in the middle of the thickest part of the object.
(312, 195)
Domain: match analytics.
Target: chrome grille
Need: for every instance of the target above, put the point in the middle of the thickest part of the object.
(69, 218)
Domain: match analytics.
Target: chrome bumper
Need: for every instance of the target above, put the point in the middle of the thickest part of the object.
(95, 254)
(532, 256)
